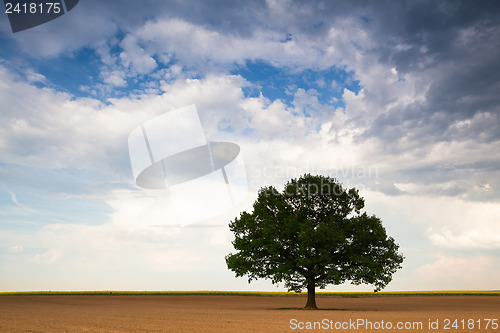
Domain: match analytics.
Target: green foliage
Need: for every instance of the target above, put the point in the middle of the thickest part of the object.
(312, 234)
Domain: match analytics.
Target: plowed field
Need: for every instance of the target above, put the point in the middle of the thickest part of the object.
(248, 314)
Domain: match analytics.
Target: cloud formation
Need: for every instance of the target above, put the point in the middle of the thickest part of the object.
(398, 99)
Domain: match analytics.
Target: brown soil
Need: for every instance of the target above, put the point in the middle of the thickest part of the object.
(244, 313)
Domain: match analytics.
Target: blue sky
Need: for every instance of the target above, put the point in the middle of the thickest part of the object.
(401, 101)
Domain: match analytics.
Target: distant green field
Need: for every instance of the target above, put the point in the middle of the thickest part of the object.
(260, 293)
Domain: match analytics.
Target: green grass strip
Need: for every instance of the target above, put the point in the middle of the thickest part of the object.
(259, 293)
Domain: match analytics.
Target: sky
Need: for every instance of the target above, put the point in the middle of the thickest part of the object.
(398, 99)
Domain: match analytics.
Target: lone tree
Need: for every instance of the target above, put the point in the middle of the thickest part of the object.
(310, 235)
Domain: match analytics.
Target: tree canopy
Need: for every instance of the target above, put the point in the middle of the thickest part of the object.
(310, 235)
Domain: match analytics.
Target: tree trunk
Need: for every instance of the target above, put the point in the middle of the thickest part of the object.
(311, 296)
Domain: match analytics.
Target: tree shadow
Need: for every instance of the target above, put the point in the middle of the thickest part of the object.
(320, 309)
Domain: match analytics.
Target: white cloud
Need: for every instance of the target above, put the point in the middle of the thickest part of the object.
(271, 120)
(134, 249)
(475, 226)
(453, 272)
(53, 130)
(49, 257)
(16, 249)
(203, 49)
(115, 79)
(470, 238)
(32, 76)
(45, 41)
(135, 57)
(447, 222)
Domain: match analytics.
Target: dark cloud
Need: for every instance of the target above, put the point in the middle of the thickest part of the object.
(454, 47)
(429, 29)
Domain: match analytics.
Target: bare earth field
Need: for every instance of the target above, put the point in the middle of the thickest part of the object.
(208, 313)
